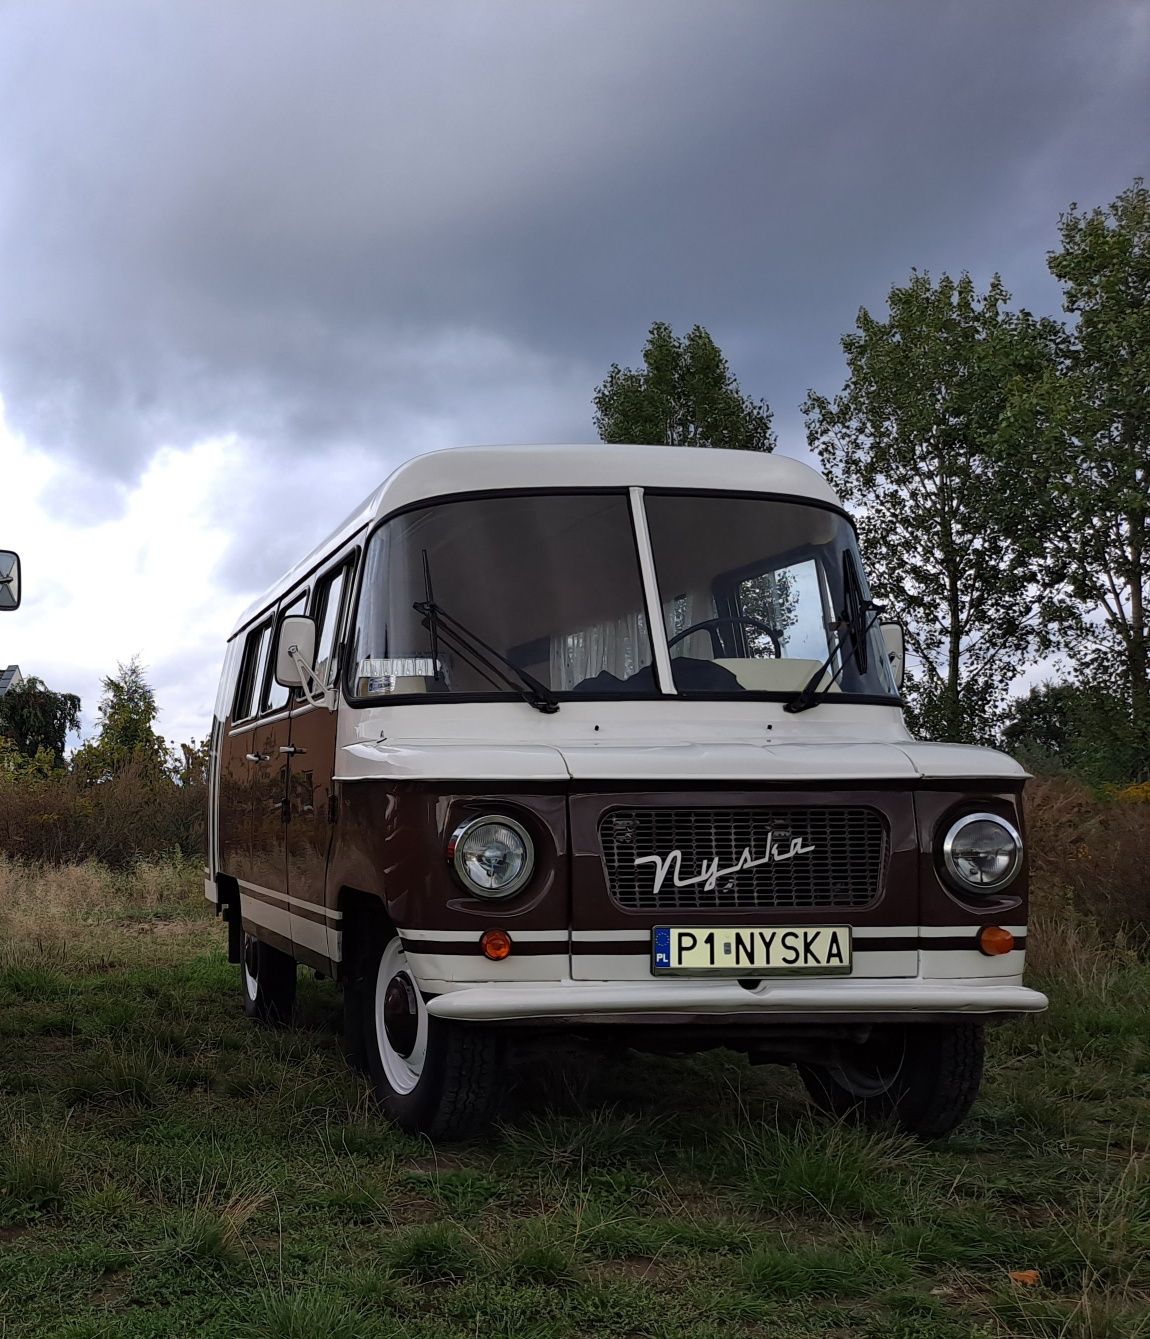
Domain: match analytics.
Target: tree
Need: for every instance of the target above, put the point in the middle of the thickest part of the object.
(127, 713)
(926, 440)
(1099, 443)
(35, 718)
(684, 395)
(1081, 727)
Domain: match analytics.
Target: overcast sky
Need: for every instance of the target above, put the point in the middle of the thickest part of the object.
(254, 254)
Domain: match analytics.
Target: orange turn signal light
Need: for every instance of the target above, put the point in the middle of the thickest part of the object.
(495, 944)
(993, 940)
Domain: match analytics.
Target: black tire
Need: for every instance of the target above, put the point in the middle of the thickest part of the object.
(448, 1084)
(268, 979)
(920, 1077)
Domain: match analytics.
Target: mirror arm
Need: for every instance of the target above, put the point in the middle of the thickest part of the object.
(309, 685)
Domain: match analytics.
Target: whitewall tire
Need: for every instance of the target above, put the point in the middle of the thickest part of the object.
(268, 978)
(431, 1077)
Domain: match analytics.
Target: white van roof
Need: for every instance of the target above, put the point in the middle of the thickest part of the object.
(476, 469)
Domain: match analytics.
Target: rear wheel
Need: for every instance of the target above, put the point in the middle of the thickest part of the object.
(921, 1077)
(430, 1076)
(269, 977)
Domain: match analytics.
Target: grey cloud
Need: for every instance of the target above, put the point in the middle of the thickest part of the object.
(348, 228)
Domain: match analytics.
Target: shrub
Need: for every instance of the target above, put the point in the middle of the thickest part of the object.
(1088, 856)
(59, 817)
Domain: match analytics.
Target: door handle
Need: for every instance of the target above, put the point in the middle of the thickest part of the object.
(257, 757)
(291, 750)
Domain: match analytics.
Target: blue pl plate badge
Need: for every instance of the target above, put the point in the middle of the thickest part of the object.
(662, 946)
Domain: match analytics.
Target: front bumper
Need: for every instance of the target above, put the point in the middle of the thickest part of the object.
(770, 1001)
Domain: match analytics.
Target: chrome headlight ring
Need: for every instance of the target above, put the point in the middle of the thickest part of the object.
(952, 853)
(493, 856)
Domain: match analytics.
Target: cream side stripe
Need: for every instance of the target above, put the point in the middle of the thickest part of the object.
(310, 935)
(945, 931)
(859, 932)
(613, 936)
(292, 901)
(526, 936)
(263, 913)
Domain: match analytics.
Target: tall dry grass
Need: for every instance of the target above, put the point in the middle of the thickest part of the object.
(77, 910)
(137, 814)
(1089, 862)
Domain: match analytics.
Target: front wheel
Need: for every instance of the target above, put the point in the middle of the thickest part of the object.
(430, 1076)
(268, 978)
(921, 1077)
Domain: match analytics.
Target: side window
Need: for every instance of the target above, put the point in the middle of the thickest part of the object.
(328, 607)
(277, 695)
(252, 672)
(789, 602)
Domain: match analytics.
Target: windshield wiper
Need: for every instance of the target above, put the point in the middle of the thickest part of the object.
(442, 624)
(854, 627)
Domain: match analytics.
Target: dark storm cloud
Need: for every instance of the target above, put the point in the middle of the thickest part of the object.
(339, 228)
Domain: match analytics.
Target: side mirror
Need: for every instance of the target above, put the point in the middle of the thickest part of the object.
(296, 643)
(9, 580)
(894, 639)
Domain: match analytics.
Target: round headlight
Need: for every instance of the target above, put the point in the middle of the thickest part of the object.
(492, 855)
(982, 852)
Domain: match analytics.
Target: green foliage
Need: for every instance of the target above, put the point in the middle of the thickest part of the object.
(22, 767)
(684, 395)
(1096, 455)
(924, 439)
(36, 720)
(1080, 728)
(126, 737)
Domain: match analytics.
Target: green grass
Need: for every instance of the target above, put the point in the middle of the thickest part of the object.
(167, 1169)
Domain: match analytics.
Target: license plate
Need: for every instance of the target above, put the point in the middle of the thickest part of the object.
(739, 951)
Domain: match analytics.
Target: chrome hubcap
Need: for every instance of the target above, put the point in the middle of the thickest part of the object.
(401, 1022)
(401, 1015)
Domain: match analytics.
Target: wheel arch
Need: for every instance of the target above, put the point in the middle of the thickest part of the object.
(360, 911)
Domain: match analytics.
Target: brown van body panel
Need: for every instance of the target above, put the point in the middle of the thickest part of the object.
(391, 840)
(234, 802)
(309, 825)
(269, 798)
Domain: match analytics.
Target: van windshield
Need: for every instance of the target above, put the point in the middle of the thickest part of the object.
(549, 582)
(752, 590)
(490, 595)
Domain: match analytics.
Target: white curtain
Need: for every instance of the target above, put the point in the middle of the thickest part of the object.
(619, 647)
(680, 613)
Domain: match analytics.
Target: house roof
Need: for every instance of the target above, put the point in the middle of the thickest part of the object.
(10, 678)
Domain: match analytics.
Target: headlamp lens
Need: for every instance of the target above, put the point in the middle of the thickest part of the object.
(983, 851)
(493, 856)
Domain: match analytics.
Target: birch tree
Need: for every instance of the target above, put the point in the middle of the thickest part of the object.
(929, 441)
(1099, 458)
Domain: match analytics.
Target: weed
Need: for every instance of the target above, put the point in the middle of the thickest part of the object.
(847, 1269)
(121, 1078)
(833, 1169)
(34, 1165)
(434, 1253)
(303, 1315)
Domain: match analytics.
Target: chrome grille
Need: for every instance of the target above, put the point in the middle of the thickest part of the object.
(844, 868)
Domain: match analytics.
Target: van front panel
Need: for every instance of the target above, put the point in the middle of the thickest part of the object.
(756, 859)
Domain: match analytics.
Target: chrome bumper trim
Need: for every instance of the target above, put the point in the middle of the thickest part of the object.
(988, 995)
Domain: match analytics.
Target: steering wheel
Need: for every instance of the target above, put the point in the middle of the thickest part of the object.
(710, 624)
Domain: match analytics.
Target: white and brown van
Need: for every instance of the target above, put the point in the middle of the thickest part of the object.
(606, 741)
